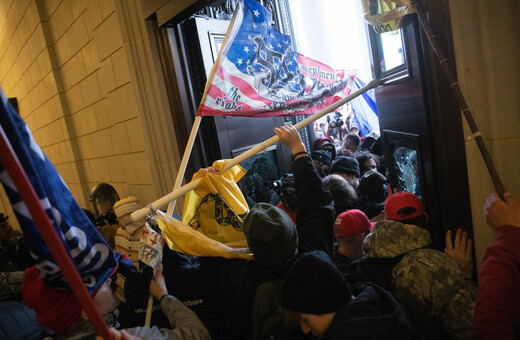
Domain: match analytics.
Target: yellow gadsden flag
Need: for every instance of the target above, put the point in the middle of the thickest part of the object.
(182, 238)
(212, 217)
(216, 207)
(386, 15)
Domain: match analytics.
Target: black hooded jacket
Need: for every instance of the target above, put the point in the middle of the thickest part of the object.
(372, 314)
(236, 283)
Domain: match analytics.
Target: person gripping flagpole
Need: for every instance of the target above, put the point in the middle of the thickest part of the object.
(257, 74)
(161, 202)
(66, 247)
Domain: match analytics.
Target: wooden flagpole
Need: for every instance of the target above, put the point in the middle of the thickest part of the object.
(454, 85)
(51, 238)
(184, 162)
(139, 214)
(196, 122)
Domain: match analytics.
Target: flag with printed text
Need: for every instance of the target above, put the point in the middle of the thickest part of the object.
(93, 258)
(257, 73)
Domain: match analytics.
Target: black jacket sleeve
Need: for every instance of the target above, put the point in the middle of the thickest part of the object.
(315, 210)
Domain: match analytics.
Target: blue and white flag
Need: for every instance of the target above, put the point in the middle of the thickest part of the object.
(365, 109)
(93, 258)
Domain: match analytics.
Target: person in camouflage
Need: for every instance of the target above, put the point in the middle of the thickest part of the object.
(429, 283)
(426, 281)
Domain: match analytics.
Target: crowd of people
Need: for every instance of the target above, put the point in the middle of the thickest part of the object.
(342, 256)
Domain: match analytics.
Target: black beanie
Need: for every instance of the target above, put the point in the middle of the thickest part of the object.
(322, 156)
(314, 285)
(270, 233)
(346, 165)
(371, 183)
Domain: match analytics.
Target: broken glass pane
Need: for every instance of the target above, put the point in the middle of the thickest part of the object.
(407, 170)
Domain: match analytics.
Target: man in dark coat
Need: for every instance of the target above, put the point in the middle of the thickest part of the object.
(316, 296)
(250, 291)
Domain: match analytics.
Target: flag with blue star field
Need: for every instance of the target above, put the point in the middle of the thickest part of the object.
(93, 257)
(257, 74)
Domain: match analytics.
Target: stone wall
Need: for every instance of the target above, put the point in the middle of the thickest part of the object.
(485, 36)
(67, 63)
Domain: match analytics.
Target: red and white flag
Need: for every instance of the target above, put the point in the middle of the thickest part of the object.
(257, 74)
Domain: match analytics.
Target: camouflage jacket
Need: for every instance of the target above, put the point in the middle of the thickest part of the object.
(427, 282)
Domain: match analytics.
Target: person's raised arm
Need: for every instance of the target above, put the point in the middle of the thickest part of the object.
(496, 310)
(499, 212)
(314, 211)
(290, 137)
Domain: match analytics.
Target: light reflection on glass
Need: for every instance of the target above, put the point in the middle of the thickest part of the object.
(391, 53)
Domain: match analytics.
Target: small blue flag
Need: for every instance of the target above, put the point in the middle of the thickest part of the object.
(365, 109)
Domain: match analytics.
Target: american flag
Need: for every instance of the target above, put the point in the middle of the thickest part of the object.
(257, 74)
(93, 258)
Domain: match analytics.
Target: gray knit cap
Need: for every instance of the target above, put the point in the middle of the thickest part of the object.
(270, 233)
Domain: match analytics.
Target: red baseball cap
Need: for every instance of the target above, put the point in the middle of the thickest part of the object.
(400, 200)
(352, 222)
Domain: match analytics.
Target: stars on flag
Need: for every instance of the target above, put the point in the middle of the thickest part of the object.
(239, 61)
(246, 49)
(256, 13)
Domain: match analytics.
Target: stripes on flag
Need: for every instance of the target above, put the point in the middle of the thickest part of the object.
(258, 75)
(365, 109)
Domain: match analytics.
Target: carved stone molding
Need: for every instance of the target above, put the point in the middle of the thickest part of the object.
(151, 97)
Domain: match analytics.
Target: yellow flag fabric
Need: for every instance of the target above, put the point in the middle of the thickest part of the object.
(385, 15)
(216, 207)
(192, 242)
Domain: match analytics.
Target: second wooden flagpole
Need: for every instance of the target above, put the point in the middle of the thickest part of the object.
(454, 85)
(161, 202)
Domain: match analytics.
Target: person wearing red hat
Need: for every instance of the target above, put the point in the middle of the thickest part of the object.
(407, 208)
(60, 311)
(429, 283)
(350, 229)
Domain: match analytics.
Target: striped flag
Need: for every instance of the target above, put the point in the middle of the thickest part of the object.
(93, 258)
(257, 74)
(365, 109)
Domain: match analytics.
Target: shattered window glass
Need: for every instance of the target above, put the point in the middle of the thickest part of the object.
(407, 170)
